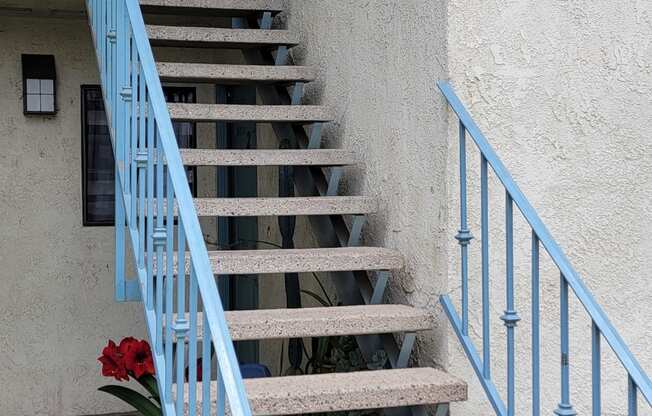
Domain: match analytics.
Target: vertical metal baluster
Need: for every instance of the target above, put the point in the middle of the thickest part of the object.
(169, 285)
(192, 344)
(464, 236)
(160, 238)
(141, 160)
(510, 318)
(101, 39)
(181, 324)
(206, 365)
(596, 369)
(135, 100)
(484, 213)
(151, 200)
(119, 135)
(564, 408)
(536, 322)
(221, 393)
(632, 405)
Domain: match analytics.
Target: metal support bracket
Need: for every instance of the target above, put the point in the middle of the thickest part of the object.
(132, 290)
(334, 180)
(356, 230)
(297, 93)
(406, 350)
(265, 22)
(380, 287)
(315, 136)
(281, 56)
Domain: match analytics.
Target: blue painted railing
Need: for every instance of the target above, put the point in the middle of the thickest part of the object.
(602, 329)
(149, 169)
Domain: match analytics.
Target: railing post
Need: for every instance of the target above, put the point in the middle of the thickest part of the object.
(595, 370)
(484, 213)
(536, 340)
(464, 236)
(632, 404)
(510, 318)
(564, 408)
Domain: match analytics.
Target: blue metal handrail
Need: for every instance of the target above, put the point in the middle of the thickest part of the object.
(150, 182)
(638, 380)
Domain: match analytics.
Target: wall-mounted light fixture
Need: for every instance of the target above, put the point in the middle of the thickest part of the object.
(39, 85)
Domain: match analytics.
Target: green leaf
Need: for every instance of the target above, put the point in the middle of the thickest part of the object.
(316, 297)
(134, 399)
(149, 383)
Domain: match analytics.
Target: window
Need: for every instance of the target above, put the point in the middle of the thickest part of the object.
(98, 175)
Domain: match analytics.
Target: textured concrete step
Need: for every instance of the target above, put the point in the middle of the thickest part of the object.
(272, 207)
(299, 260)
(234, 74)
(212, 7)
(324, 322)
(209, 37)
(317, 157)
(259, 113)
(350, 391)
(260, 207)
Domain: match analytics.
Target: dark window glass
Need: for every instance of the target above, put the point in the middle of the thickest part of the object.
(98, 164)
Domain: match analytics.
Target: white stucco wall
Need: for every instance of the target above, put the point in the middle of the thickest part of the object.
(56, 300)
(562, 90)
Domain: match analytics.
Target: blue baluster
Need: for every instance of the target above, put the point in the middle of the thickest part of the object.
(206, 360)
(484, 214)
(192, 344)
(536, 323)
(510, 318)
(181, 323)
(160, 238)
(151, 200)
(564, 408)
(595, 369)
(169, 284)
(141, 164)
(464, 236)
(632, 405)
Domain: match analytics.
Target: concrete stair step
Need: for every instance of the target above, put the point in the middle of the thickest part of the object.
(349, 391)
(323, 322)
(259, 113)
(234, 74)
(316, 157)
(238, 262)
(208, 37)
(212, 7)
(261, 207)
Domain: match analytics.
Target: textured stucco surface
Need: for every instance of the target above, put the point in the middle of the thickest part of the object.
(377, 63)
(56, 300)
(562, 90)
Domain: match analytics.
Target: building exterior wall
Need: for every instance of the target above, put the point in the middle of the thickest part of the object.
(57, 276)
(378, 63)
(562, 90)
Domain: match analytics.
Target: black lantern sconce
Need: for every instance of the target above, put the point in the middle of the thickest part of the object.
(39, 85)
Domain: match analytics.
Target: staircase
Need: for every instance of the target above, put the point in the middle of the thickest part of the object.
(183, 309)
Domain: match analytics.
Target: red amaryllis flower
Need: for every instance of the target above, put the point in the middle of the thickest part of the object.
(113, 364)
(138, 358)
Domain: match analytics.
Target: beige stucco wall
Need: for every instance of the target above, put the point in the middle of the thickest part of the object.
(562, 90)
(56, 300)
(378, 62)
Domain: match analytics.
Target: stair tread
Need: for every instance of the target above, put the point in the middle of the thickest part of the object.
(258, 207)
(323, 321)
(226, 7)
(349, 391)
(316, 157)
(258, 113)
(172, 71)
(236, 262)
(217, 37)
